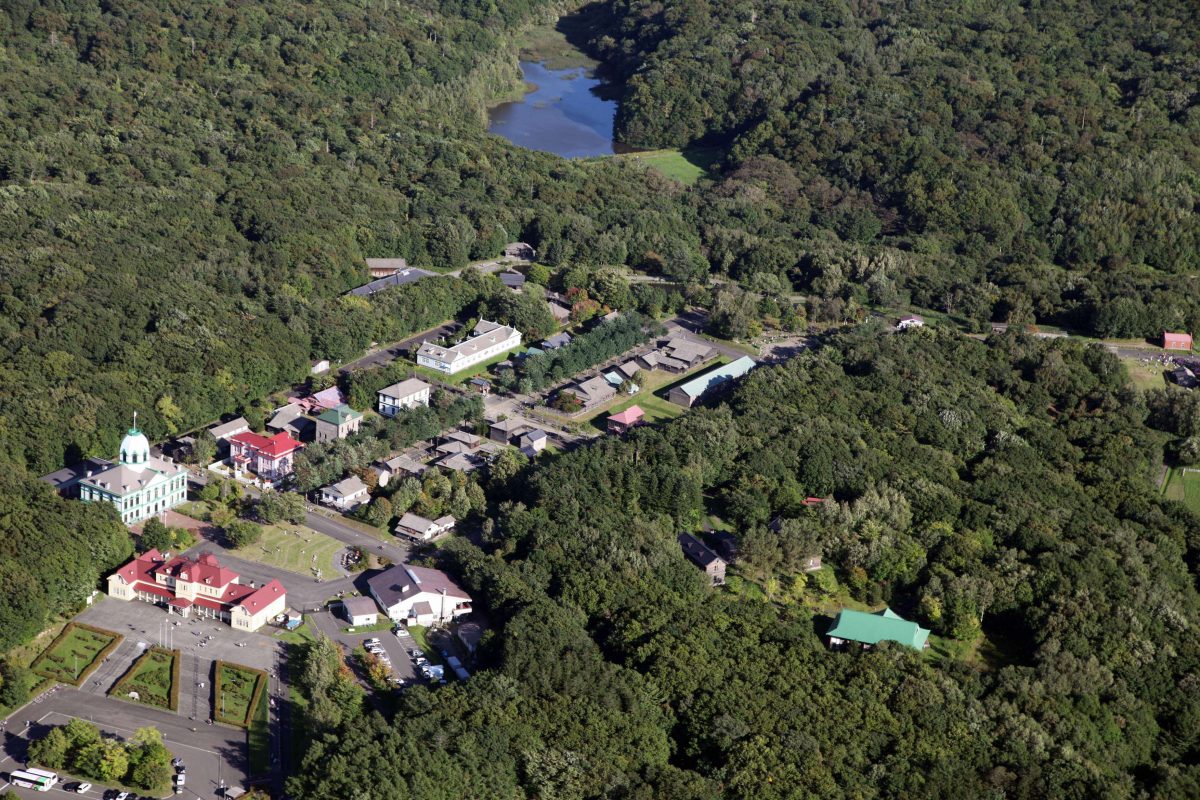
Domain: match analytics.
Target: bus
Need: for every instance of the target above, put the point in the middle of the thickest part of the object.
(44, 773)
(27, 780)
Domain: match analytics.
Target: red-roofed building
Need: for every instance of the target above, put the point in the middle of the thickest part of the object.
(1177, 341)
(623, 421)
(268, 457)
(200, 587)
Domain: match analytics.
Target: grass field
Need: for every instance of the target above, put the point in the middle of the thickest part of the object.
(685, 166)
(1184, 486)
(295, 548)
(236, 688)
(154, 677)
(1145, 376)
(76, 651)
(259, 738)
(652, 398)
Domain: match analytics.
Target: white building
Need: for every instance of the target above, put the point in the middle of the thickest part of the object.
(487, 340)
(360, 611)
(198, 588)
(345, 494)
(911, 321)
(405, 394)
(421, 529)
(139, 485)
(419, 595)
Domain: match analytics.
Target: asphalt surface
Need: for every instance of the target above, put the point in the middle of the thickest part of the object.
(395, 350)
(212, 753)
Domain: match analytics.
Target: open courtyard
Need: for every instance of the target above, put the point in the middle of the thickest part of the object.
(237, 689)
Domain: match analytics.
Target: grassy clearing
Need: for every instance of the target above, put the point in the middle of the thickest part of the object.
(75, 653)
(384, 624)
(154, 677)
(548, 44)
(1145, 376)
(295, 548)
(685, 166)
(1184, 486)
(652, 397)
(259, 738)
(238, 690)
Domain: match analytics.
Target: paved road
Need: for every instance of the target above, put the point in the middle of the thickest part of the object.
(212, 753)
(389, 353)
(328, 523)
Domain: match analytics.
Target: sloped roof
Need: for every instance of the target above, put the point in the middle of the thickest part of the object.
(628, 416)
(347, 486)
(404, 581)
(278, 445)
(358, 606)
(405, 388)
(696, 551)
(881, 626)
(715, 377)
(340, 415)
(261, 598)
(229, 428)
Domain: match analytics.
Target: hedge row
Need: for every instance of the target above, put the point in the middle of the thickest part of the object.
(39, 665)
(120, 688)
(260, 684)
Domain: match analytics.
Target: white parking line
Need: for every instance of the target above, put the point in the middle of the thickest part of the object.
(117, 728)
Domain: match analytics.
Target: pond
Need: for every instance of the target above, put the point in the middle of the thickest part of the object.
(567, 113)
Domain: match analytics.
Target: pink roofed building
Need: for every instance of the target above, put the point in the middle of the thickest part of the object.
(268, 457)
(623, 421)
(199, 587)
(1177, 341)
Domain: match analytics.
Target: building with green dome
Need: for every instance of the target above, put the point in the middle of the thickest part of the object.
(139, 485)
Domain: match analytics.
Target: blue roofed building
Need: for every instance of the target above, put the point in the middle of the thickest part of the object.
(689, 392)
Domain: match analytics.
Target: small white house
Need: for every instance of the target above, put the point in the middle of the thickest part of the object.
(421, 529)
(320, 367)
(360, 611)
(345, 494)
(419, 595)
(405, 394)
(910, 321)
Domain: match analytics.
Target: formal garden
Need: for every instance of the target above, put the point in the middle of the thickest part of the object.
(238, 689)
(75, 653)
(153, 680)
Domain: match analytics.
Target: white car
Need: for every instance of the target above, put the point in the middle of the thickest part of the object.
(124, 796)
(83, 788)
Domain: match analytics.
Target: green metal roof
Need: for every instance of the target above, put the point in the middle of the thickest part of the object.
(881, 626)
(340, 415)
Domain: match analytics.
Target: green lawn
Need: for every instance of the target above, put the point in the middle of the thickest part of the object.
(384, 624)
(236, 687)
(76, 651)
(1145, 376)
(652, 397)
(301, 635)
(420, 635)
(259, 738)
(1184, 486)
(154, 677)
(293, 547)
(685, 166)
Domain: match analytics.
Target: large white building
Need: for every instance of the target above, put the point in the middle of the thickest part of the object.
(139, 485)
(487, 340)
(418, 595)
(405, 394)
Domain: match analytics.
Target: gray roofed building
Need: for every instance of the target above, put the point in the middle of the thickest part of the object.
(687, 393)
(629, 368)
(712, 564)
(461, 462)
(560, 313)
(360, 610)
(533, 442)
(401, 590)
(231, 428)
(488, 339)
(405, 394)
(66, 480)
(414, 526)
(556, 341)
(688, 351)
(593, 391)
(346, 493)
(504, 430)
(401, 278)
(513, 280)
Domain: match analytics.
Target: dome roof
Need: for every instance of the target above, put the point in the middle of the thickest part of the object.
(135, 448)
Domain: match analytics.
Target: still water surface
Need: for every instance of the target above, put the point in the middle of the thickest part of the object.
(565, 114)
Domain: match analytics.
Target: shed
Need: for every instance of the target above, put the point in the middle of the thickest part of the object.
(1177, 341)
(360, 611)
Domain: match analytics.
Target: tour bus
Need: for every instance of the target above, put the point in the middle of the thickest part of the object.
(31, 780)
(44, 773)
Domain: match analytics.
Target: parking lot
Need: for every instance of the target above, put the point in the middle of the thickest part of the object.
(214, 755)
(331, 626)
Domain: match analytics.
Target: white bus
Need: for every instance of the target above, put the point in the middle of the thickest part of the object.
(44, 773)
(31, 780)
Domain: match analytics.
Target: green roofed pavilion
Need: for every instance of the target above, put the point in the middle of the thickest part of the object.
(873, 628)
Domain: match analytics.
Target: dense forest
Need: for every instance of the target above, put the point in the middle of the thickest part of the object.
(1000, 489)
(1009, 158)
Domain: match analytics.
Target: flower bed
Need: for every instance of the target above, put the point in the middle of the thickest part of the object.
(155, 678)
(76, 653)
(237, 692)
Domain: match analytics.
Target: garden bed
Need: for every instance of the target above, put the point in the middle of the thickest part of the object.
(154, 677)
(237, 691)
(76, 653)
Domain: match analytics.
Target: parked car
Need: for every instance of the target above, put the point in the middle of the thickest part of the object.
(180, 779)
(82, 788)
